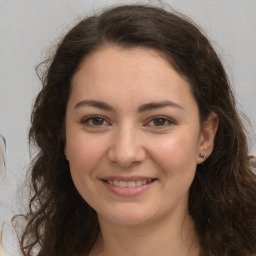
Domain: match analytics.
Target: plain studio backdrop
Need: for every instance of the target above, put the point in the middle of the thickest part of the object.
(28, 28)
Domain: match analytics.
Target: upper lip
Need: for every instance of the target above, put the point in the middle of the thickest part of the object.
(128, 178)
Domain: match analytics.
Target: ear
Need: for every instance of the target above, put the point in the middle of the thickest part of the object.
(66, 152)
(206, 143)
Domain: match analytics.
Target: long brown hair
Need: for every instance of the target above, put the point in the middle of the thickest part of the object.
(222, 199)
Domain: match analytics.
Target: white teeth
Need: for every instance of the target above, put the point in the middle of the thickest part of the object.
(122, 184)
(131, 184)
(138, 183)
(128, 184)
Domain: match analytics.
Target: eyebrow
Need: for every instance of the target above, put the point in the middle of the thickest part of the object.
(142, 108)
(94, 103)
(156, 105)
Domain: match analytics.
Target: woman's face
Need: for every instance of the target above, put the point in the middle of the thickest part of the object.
(133, 136)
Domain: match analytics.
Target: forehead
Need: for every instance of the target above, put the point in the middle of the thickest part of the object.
(134, 73)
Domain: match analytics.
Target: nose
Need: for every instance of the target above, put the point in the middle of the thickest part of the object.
(127, 147)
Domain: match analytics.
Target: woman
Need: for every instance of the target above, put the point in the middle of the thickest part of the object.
(141, 150)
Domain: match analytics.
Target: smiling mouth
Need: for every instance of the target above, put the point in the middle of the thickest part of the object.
(128, 184)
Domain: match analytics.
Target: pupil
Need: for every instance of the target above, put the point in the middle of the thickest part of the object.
(98, 121)
(159, 121)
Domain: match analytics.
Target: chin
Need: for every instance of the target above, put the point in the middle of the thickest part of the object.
(128, 217)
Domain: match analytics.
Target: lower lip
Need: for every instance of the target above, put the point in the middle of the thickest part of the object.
(128, 192)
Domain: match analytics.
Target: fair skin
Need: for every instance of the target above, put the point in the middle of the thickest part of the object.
(133, 139)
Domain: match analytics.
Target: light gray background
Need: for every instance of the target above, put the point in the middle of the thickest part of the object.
(29, 27)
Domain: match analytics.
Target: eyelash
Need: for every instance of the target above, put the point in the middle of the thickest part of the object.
(94, 118)
(162, 118)
(88, 121)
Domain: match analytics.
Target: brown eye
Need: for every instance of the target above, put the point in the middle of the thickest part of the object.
(97, 121)
(160, 122)
(94, 121)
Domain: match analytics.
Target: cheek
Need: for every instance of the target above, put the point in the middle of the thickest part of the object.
(84, 155)
(177, 154)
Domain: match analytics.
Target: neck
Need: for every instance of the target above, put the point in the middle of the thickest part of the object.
(163, 237)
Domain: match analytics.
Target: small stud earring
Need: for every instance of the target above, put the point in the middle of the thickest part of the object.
(201, 155)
